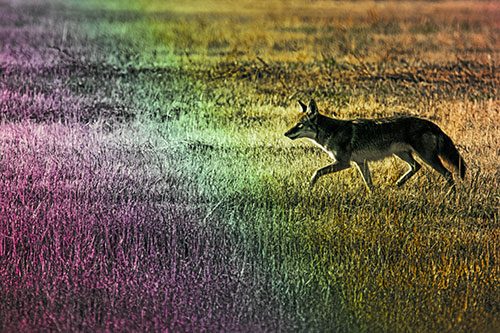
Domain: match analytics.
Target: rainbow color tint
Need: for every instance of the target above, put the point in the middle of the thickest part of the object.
(146, 184)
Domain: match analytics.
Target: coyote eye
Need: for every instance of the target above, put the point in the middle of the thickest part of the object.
(300, 125)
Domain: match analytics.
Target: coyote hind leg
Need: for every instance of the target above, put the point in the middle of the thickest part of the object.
(414, 166)
(434, 161)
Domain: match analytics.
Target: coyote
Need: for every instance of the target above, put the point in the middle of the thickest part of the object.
(364, 140)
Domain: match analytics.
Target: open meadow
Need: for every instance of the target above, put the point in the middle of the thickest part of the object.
(146, 183)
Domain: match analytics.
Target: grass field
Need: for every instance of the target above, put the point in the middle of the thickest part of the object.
(146, 184)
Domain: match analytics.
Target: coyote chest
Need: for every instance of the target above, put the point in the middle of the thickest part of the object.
(332, 153)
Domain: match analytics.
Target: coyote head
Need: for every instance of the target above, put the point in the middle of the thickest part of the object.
(307, 126)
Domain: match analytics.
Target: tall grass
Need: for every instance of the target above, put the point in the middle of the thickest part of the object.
(105, 231)
(146, 183)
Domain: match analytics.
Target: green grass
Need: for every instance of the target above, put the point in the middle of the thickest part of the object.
(398, 259)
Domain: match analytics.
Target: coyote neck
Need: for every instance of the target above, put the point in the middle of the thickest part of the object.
(327, 128)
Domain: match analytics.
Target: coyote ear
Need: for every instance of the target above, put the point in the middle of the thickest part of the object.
(313, 108)
(303, 106)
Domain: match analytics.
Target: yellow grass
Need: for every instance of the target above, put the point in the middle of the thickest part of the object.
(407, 259)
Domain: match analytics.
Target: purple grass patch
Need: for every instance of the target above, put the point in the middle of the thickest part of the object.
(110, 223)
(91, 240)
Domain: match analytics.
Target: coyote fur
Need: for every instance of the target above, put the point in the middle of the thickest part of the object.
(363, 140)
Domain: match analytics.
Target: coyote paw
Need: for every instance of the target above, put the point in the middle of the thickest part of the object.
(314, 179)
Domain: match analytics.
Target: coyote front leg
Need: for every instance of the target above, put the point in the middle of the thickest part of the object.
(331, 168)
(365, 174)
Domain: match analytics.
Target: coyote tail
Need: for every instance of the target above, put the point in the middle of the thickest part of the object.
(450, 154)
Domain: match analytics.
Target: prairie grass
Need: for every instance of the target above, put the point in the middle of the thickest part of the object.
(146, 184)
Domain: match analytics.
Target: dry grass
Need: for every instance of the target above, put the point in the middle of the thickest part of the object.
(401, 259)
(166, 196)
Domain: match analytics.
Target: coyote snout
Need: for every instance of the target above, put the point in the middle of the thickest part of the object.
(364, 140)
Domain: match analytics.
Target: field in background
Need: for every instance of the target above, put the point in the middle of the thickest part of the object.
(145, 182)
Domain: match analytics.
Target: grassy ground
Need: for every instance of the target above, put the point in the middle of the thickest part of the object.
(145, 182)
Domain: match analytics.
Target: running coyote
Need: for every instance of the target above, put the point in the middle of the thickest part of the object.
(364, 140)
